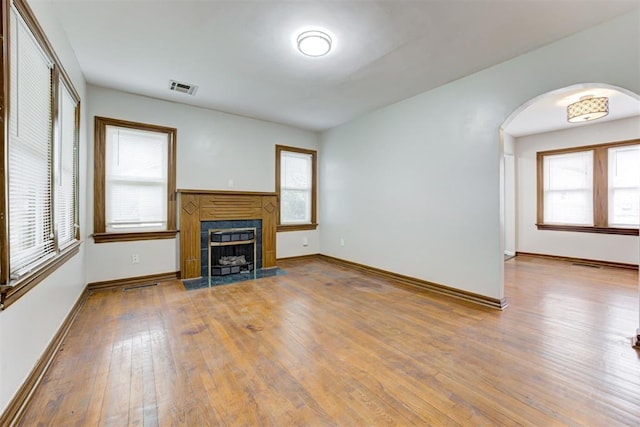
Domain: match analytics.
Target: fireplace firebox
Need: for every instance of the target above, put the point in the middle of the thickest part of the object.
(231, 251)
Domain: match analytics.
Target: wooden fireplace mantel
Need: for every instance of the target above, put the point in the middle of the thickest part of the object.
(215, 205)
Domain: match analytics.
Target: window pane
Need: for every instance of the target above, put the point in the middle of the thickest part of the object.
(29, 152)
(295, 192)
(137, 205)
(296, 206)
(624, 186)
(296, 170)
(568, 188)
(136, 179)
(64, 186)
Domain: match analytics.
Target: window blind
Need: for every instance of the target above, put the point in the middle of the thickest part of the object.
(295, 191)
(29, 151)
(568, 188)
(624, 186)
(66, 169)
(136, 179)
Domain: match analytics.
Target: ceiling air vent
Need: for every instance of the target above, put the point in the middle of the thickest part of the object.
(182, 87)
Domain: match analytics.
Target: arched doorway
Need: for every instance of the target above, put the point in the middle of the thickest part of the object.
(546, 114)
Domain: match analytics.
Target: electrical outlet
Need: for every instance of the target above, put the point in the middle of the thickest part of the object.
(342, 241)
(305, 241)
(135, 259)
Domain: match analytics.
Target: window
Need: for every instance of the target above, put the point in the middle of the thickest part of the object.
(296, 188)
(624, 186)
(568, 188)
(590, 189)
(134, 181)
(66, 169)
(41, 229)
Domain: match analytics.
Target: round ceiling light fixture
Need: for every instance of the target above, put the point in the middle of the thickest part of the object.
(314, 43)
(588, 108)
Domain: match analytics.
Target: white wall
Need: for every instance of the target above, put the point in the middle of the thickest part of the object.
(414, 187)
(212, 149)
(509, 195)
(602, 247)
(27, 326)
(298, 243)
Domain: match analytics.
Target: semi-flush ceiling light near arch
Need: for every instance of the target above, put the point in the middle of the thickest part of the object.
(588, 108)
(314, 43)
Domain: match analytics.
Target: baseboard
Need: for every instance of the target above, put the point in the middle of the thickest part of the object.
(298, 258)
(582, 260)
(500, 304)
(12, 414)
(131, 281)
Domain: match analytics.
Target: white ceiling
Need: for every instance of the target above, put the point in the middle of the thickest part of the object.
(549, 111)
(241, 54)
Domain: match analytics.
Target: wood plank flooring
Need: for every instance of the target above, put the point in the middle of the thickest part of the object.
(325, 345)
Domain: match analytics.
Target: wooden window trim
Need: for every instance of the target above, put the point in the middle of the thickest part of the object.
(131, 237)
(314, 189)
(99, 193)
(600, 190)
(10, 293)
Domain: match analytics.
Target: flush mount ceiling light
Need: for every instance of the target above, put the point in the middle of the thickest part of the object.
(314, 43)
(588, 108)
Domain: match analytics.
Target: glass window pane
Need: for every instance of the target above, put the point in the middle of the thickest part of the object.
(295, 187)
(296, 170)
(296, 206)
(29, 152)
(568, 188)
(136, 179)
(66, 169)
(568, 207)
(136, 154)
(624, 186)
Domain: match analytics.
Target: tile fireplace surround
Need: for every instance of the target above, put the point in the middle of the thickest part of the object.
(197, 206)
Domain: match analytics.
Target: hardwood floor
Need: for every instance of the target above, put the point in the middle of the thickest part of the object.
(325, 345)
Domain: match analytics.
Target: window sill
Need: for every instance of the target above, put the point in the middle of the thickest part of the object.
(589, 229)
(296, 227)
(131, 237)
(12, 293)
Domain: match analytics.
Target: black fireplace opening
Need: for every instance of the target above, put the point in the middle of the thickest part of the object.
(232, 251)
(205, 240)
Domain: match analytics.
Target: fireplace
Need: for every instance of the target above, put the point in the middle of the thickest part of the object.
(203, 210)
(231, 251)
(232, 240)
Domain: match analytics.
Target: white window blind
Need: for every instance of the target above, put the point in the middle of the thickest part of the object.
(568, 188)
(29, 151)
(136, 179)
(66, 151)
(295, 187)
(624, 186)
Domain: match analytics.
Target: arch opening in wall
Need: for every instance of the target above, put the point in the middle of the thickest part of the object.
(537, 125)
